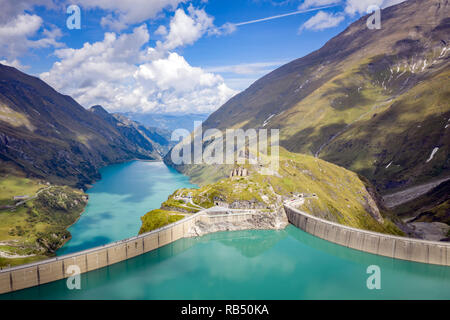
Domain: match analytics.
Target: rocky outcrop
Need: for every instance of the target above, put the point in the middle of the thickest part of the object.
(276, 220)
(248, 205)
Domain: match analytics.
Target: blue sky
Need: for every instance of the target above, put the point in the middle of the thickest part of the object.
(166, 55)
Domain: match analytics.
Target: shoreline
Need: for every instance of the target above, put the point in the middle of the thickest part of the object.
(92, 185)
(395, 247)
(88, 186)
(207, 222)
(54, 269)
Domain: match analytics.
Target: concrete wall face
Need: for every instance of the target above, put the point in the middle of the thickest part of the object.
(448, 256)
(5, 282)
(165, 237)
(50, 272)
(117, 253)
(385, 245)
(58, 268)
(79, 261)
(97, 260)
(436, 255)
(151, 243)
(135, 248)
(371, 242)
(24, 278)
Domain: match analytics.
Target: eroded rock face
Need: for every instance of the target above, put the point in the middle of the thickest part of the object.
(434, 231)
(248, 205)
(372, 208)
(276, 220)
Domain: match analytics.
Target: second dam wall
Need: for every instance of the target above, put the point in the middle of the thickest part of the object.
(55, 269)
(430, 252)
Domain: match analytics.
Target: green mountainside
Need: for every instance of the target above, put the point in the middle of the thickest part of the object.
(331, 192)
(34, 228)
(373, 101)
(50, 148)
(158, 137)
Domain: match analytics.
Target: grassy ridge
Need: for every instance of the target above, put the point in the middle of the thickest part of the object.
(11, 186)
(158, 218)
(376, 103)
(36, 229)
(333, 193)
(391, 144)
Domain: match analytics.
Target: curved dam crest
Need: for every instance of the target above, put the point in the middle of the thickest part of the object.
(402, 248)
(56, 269)
(217, 220)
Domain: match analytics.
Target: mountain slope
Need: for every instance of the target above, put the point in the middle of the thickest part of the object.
(328, 191)
(373, 101)
(50, 136)
(167, 122)
(158, 137)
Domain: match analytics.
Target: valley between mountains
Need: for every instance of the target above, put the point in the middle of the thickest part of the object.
(364, 133)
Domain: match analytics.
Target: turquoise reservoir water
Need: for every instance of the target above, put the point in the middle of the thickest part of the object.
(288, 264)
(124, 194)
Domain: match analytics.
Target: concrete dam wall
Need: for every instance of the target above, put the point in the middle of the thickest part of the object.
(430, 252)
(54, 269)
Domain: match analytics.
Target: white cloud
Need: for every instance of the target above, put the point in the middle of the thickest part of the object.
(181, 87)
(317, 3)
(161, 31)
(185, 29)
(14, 63)
(351, 6)
(125, 13)
(121, 74)
(360, 6)
(322, 20)
(11, 9)
(16, 33)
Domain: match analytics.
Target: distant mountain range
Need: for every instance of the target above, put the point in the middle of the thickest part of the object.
(47, 135)
(148, 137)
(169, 122)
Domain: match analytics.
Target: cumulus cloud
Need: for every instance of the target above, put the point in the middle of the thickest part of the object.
(14, 63)
(161, 31)
(323, 20)
(186, 28)
(125, 13)
(122, 74)
(16, 33)
(180, 87)
(11, 9)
